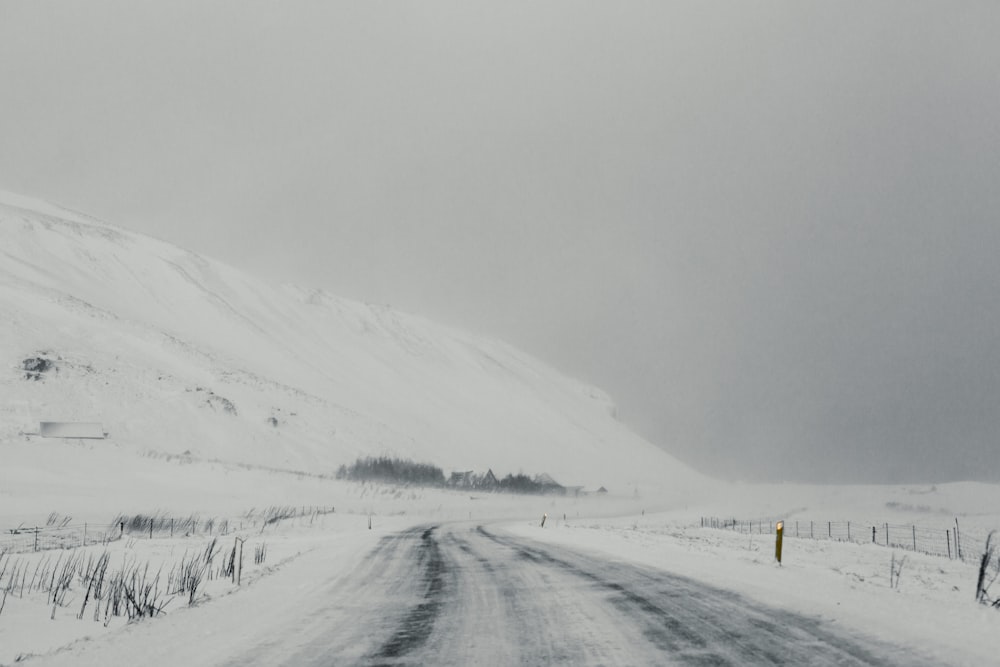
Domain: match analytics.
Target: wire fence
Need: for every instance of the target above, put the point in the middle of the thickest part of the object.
(40, 538)
(948, 541)
(65, 535)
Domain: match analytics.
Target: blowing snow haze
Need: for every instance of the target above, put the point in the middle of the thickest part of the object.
(769, 231)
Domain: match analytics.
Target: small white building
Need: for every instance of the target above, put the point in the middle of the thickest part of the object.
(91, 430)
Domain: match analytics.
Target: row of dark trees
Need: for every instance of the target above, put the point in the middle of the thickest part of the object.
(404, 471)
(393, 470)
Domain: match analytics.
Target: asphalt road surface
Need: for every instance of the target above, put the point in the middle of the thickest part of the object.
(461, 594)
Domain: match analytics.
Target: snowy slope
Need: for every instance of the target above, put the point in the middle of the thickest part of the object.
(177, 353)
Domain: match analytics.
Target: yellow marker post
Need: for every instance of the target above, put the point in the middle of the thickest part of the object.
(779, 529)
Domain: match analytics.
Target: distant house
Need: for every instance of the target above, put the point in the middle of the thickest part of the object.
(489, 481)
(468, 479)
(546, 484)
(545, 479)
(89, 430)
(461, 480)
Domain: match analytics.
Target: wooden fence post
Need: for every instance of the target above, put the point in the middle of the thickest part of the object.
(914, 538)
(232, 573)
(947, 535)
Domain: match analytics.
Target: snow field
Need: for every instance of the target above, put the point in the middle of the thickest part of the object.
(178, 487)
(931, 611)
(31, 624)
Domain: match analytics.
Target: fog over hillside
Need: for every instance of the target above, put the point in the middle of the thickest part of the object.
(175, 353)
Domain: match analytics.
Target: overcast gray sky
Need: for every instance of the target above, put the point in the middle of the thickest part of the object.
(769, 229)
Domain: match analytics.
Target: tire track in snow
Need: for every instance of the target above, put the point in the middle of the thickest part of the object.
(417, 624)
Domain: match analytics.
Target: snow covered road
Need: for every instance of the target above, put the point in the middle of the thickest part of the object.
(465, 593)
(462, 594)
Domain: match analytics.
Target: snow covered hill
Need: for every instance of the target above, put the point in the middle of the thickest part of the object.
(177, 354)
